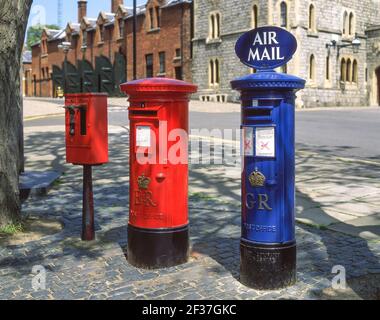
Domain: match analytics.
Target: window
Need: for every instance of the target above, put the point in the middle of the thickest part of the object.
(351, 24)
(43, 73)
(162, 62)
(348, 70)
(178, 53)
(355, 72)
(121, 28)
(327, 68)
(101, 32)
(47, 72)
(343, 70)
(151, 18)
(366, 75)
(284, 15)
(217, 25)
(312, 68)
(345, 22)
(158, 17)
(149, 65)
(254, 16)
(312, 24)
(214, 75)
(214, 26)
(178, 73)
(84, 41)
(216, 71)
(211, 72)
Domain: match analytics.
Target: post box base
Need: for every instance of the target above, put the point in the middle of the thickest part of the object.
(157, 248)
(267, 267)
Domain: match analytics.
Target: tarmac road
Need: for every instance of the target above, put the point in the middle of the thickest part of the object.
(343, 132)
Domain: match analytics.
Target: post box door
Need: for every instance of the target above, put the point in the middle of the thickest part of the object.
(78, 125)
(149, 190)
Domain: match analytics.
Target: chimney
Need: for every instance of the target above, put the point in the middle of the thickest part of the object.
(82, 9)
(115, 5)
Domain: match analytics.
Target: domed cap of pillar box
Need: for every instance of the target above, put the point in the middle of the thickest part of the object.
(263, 80)
(158, 85)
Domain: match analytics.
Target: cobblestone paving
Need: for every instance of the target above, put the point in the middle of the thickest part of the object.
(99, 269)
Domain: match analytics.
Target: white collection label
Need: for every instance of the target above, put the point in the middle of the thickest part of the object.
(143, 136)
(265, 145)
(248, 141)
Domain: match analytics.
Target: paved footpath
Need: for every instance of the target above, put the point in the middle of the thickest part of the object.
(331, 195)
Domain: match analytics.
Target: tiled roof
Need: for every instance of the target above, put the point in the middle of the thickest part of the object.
(75, 26)
(55, 34)
(91, 22)
(170, 3)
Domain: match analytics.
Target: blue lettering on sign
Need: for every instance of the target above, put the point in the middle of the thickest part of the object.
(266, 47)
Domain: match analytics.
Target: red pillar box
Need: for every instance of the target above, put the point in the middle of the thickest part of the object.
(158, 230)
(86, 144)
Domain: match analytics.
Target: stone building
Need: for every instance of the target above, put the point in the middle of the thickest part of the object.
(100, 56)
(338, 72)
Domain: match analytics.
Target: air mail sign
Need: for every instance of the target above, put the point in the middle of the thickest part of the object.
(266, 47)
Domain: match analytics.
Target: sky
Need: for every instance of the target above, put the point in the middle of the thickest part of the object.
(46, 11)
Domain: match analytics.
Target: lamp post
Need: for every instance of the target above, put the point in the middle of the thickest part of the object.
(355, 44)
(83, 49)
(65, 47)
(134, 40)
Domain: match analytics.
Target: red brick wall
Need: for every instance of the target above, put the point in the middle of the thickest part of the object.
(174, 33)
(175, 23)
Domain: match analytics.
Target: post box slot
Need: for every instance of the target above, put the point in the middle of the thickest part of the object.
(257, 112)
(72, 121)
(83, 121)
(149, 113)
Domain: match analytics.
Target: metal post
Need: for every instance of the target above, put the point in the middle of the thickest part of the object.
(134, 40)
(65, 74)
(88, 227)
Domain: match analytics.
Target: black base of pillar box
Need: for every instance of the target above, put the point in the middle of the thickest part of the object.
(157, 248)
(267, 267)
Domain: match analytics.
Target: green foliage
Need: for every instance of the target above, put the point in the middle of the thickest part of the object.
(34, 33)
(12, 228)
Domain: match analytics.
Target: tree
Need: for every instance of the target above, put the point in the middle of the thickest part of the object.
(34, 33)
(13, 20)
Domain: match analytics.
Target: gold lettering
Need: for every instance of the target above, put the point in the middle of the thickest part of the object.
(263, 202)
(148, 199)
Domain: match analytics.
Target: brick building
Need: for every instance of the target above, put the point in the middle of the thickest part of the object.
(100, 56)
(336, 75)
(26, 73)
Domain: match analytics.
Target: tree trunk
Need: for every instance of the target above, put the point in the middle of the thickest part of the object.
(13, 20)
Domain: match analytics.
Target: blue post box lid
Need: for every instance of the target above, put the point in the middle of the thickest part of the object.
(268, 80)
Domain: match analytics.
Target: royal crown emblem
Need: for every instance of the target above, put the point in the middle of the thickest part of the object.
(257, 179)
(143, 182)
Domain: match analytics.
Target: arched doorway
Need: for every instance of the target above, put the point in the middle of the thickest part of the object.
(119, 71)
(88, 77)
(57, 80)
(72, 78)
(106, 77)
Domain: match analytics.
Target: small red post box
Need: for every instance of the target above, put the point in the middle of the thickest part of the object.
(87, 144)
(158, 230)
(86, 128)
